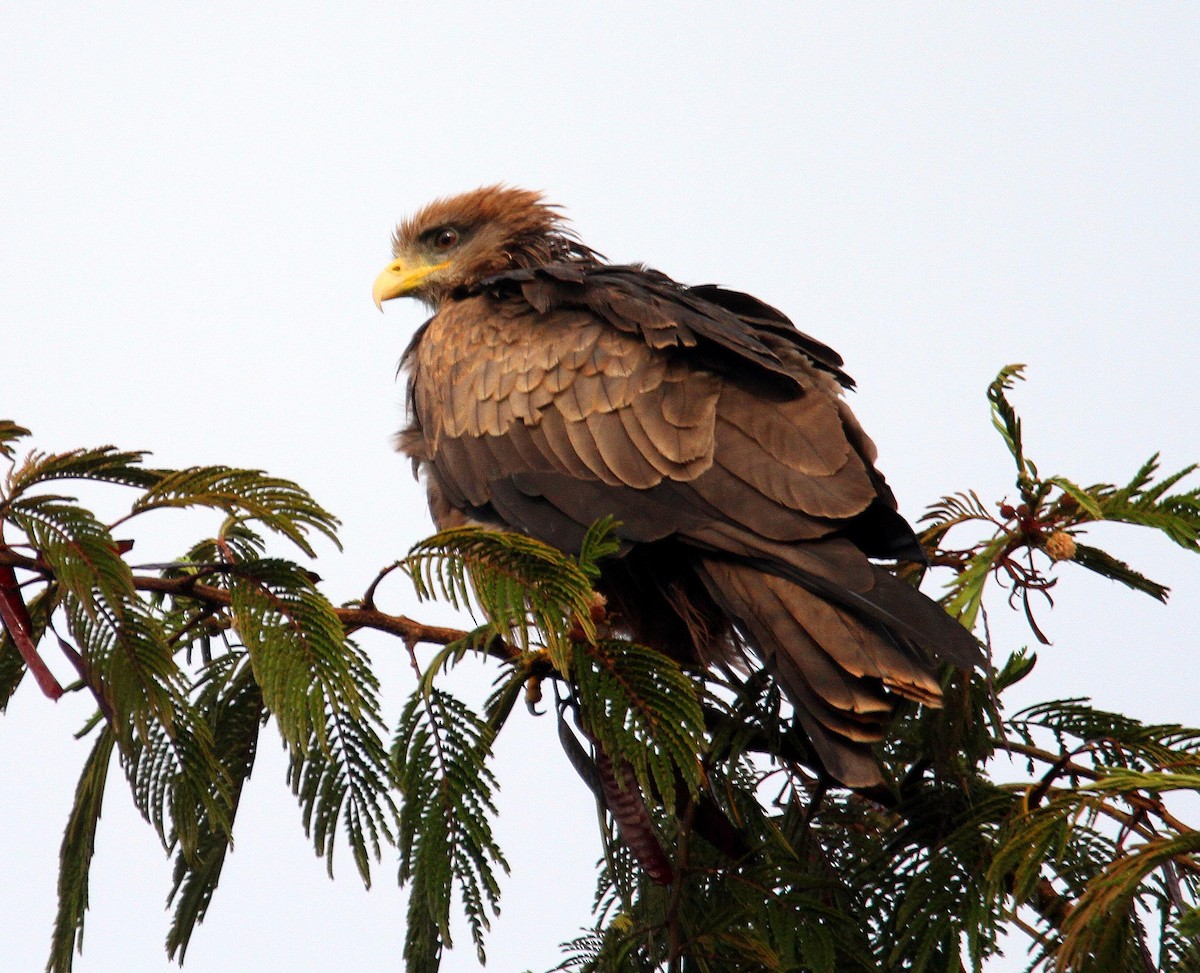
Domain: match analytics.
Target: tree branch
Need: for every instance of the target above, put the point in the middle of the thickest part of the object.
(14, 616)
(352, 619)
(1138, 801)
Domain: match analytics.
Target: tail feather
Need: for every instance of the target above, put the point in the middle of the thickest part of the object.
(837, 652)
(941, 634)
(835, 570)
(860, 649)
(765, 606)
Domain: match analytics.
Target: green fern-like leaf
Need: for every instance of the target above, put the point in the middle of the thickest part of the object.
(320, 688)
(955, 509)
(1116, 739)
(279, 505)
(1084, 497)
(1107, 881)
(79, 549)
(230, 704)
(509, 686)
(1005, 418)
(1181, 941)
(1107, 566)
(1099, 929)
(642, 709)
(441, 755)
(75, 858)
(12, 669)
(599, 542)
(103, 464)
(944, 853)
(345, 784)
(236, 543)
(964, 596)
(302, 660)
(10, 433)
(526, 589)
(1142, 501)
(178, 783)
(129, 663)
(1120, 780)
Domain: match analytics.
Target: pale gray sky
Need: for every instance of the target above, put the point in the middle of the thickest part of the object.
(195, 200)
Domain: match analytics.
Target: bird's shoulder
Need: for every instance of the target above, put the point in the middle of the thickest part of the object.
(715, 327)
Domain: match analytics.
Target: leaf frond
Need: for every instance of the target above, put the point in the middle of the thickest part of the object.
(279, 505)
(441, 753)
(75, 857)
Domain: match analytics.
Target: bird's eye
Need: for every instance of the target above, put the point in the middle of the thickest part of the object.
(445, 238)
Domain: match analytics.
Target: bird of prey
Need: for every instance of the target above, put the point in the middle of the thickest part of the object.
(551, 388)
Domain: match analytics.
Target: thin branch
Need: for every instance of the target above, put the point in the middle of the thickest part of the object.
(352, 619)
(368, 599)
(1139, 801)
(85, 675)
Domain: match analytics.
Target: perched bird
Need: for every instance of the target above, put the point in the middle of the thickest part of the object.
(551, 388)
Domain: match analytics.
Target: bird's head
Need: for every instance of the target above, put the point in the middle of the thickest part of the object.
(460, 240)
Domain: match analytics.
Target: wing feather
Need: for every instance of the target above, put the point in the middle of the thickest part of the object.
(552, 438)
(580, 434)
(804, 433)
(620, 453)
(748, 509)
(841, 494)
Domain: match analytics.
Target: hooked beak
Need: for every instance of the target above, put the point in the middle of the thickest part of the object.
(400, 278)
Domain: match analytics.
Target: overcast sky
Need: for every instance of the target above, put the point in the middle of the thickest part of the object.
(196, 198)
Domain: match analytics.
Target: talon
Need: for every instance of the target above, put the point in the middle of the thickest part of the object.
(533, 695)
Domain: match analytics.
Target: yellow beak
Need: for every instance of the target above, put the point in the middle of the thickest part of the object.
(400, 277)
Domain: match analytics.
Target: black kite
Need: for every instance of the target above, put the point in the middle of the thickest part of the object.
(551, 388)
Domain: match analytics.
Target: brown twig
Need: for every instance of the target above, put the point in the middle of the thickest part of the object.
(1138, 801)
(352, 619)
(368, 599)
(85, 676)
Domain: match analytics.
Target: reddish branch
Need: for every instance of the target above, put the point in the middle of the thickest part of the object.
(15, 616)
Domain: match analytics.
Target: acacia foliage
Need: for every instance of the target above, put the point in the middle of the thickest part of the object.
(1081, 858)
(187, 665)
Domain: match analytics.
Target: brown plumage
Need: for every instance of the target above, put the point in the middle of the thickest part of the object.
(551, 388)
